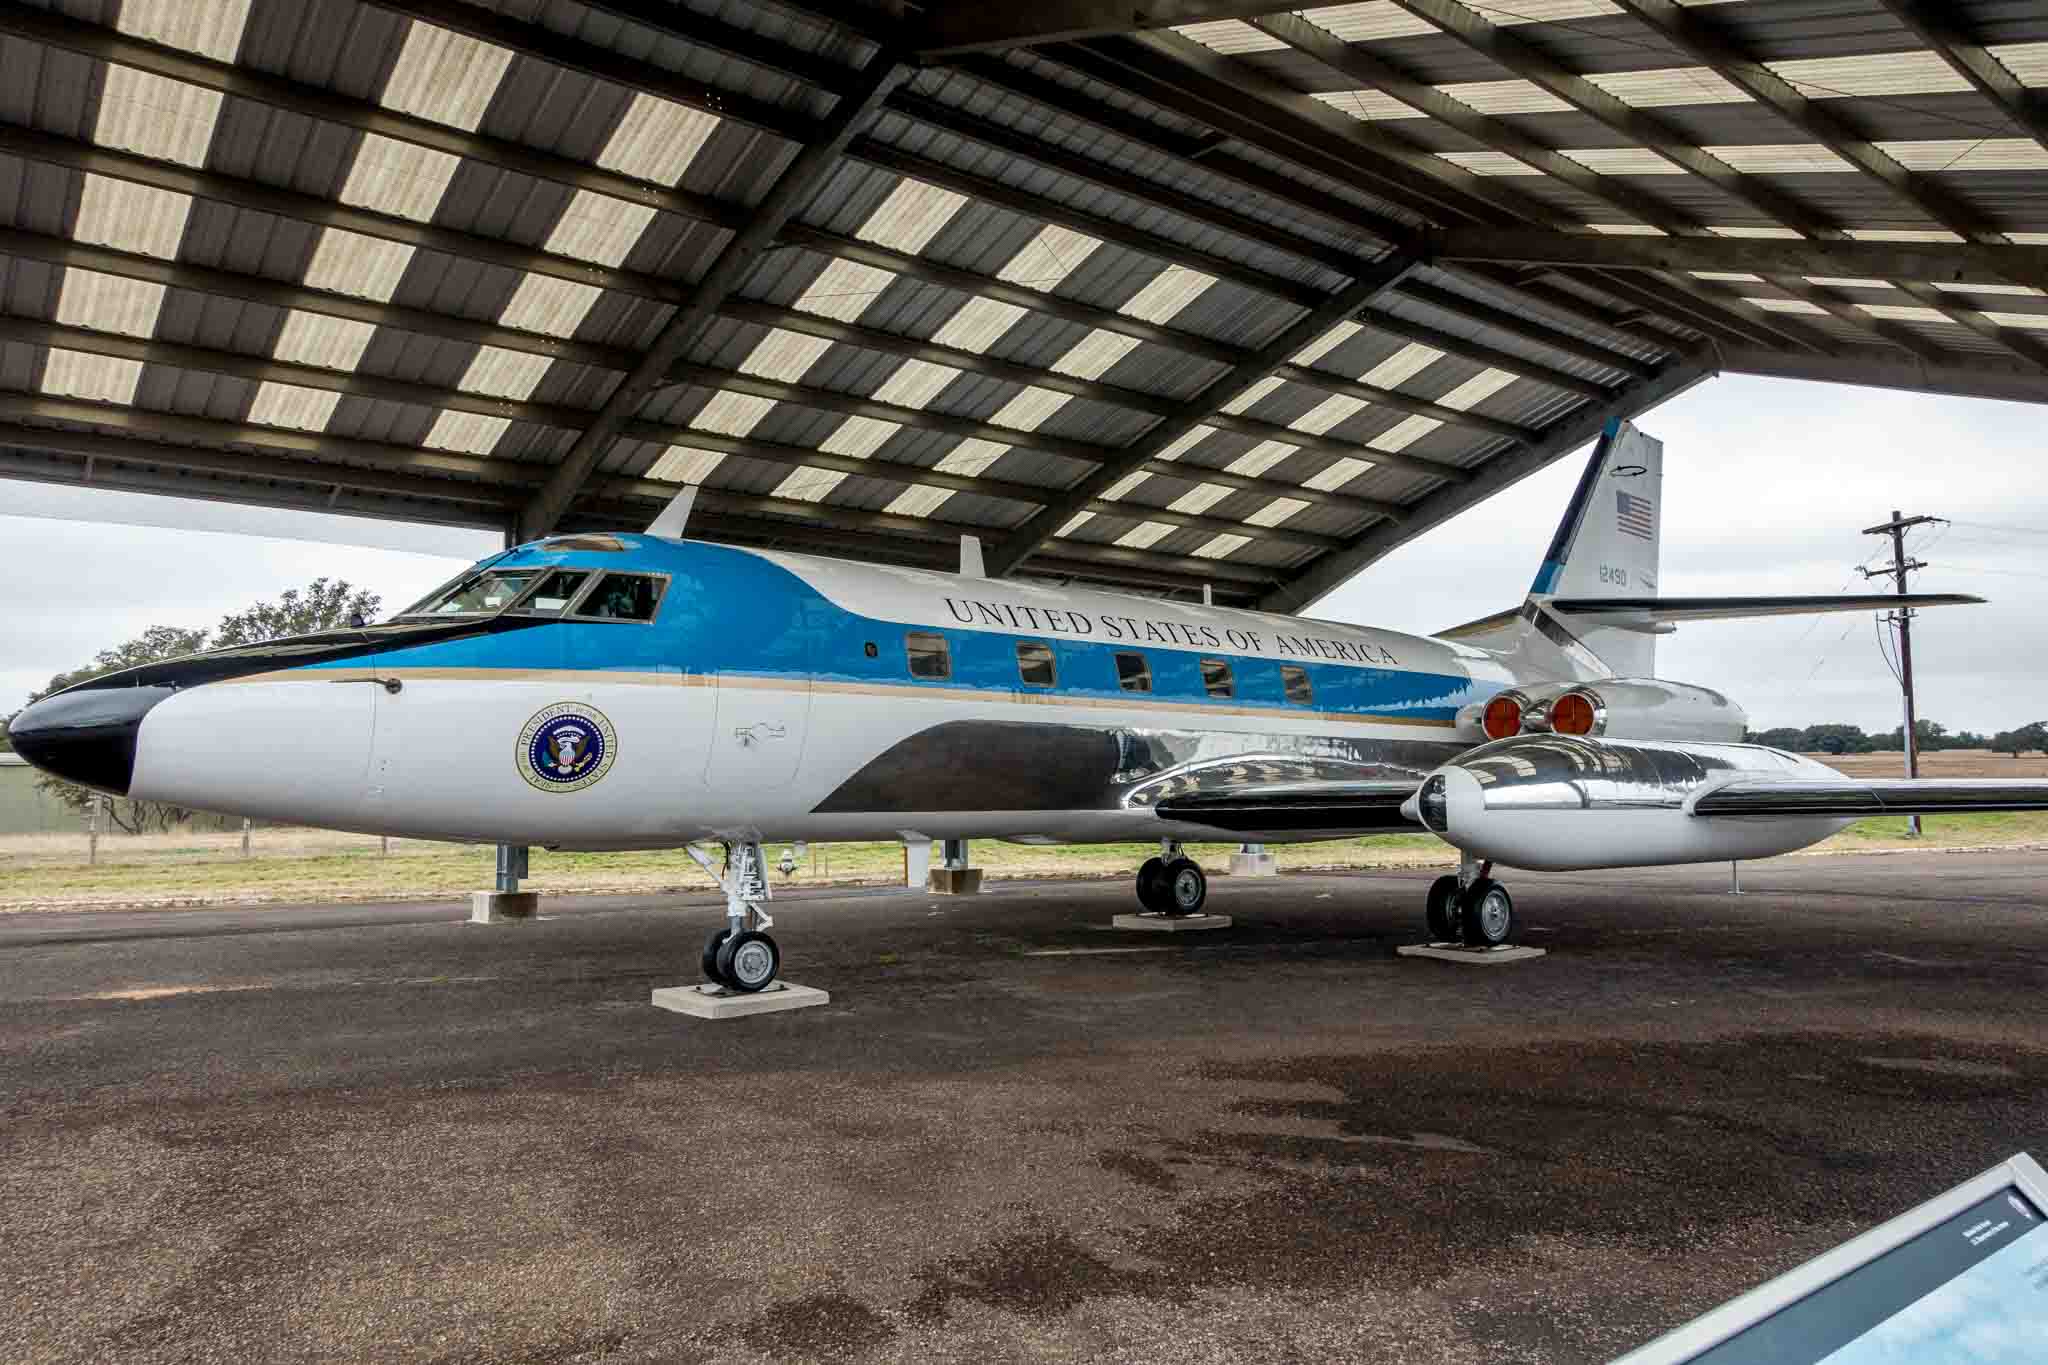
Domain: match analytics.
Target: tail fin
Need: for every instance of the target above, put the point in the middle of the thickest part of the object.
(1606, 547)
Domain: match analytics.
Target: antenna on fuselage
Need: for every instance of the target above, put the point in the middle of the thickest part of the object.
(675, 516)
(1208, 595)
(970, 558)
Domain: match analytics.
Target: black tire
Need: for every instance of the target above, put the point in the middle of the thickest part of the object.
(1152, 890)
(1441, 910)
(1487, 914)
(711, 947)
(749, 962)
(1187, 888)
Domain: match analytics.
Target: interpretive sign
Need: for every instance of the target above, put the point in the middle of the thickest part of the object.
(1961, 1280)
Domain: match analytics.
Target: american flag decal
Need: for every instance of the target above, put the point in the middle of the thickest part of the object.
(1632, 515)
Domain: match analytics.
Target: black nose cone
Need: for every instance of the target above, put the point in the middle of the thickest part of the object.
(86, 736)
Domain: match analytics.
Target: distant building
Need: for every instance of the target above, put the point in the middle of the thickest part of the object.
(25, 810)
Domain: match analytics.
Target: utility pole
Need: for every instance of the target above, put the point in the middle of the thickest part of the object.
(1896, 528)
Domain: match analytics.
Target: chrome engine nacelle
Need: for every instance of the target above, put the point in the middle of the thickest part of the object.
(1563, 803)
(1640, 708)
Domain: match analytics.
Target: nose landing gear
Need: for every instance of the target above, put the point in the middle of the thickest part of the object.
(1172, 884)
(740, 955)
(1470, 907)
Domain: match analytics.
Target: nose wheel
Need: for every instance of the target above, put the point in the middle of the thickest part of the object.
(1172, 885)
(740, 955)
(1470, 907)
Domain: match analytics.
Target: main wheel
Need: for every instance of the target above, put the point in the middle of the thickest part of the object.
(1487, 914)
(749, 961)
(1153, 892)
(1187, 888)
(1441, 910)
(711, 947)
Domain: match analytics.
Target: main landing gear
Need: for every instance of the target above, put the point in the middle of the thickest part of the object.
(739, 955)
(1171, 884)
(1470, 907)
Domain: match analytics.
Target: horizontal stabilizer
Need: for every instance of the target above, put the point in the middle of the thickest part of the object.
(1900, 796)
(1350, 806)
(1651, 610)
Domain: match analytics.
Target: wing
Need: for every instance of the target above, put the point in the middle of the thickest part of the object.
(1297, 807)
(1849, 796)
(1653, 610)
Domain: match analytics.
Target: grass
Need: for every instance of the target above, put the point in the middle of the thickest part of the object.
(50, 872)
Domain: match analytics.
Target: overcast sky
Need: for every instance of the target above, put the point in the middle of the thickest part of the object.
(1766, 486)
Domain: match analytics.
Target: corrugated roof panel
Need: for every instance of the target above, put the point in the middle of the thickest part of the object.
(469, 432)
(1627, 229)
(1489, 163)
(317, 339)
(598, 228)
(503, 374)
(844, 289)
(1145, 535)
(403, 179)
(1623, 161)
(1902, 312)
(1511, 12)
(1784, 158)
(1921, 72)
(289, 405)
(685, 464)
(1222, 545)
(1505, 97)
(212, 28)
(1771, 305)
(95, 378)
(1904, 235)
(2028, 62)
(1663, 87)
(910, 216)
(657, 139)
(1368, 106)
(131, 217)
(155, 116)
(1773, 233)
(1364, 23)
(1969, 154)
(347, 262)
(1229, 36)
(2032, 321)
(445, 76)
(109, 303)
(550, 306)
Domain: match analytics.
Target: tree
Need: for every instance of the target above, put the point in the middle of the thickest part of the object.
(323, 605)
(2017, 742)
(1835, 739)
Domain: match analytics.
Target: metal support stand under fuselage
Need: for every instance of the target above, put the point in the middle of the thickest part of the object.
(953, 877)
(505, 902)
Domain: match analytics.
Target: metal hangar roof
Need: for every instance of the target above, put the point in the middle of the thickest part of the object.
(1207, 295)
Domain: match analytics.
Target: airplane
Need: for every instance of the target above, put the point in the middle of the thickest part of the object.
(600, 691)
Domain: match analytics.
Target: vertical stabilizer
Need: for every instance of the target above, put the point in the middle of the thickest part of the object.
(1606, 546)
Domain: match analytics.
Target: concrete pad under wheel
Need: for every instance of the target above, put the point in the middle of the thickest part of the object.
(720, 1002)
(1170, 924)
(1471, 957)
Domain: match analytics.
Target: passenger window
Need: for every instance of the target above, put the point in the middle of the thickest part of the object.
(1216, 679)
(555, 593)
(929, 655)
(1034, 664)
(1133, 673)
(622, 597)
(1295, 680)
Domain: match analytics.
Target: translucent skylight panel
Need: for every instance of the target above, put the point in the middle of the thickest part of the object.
(732, 414)
(1260, 458)
(685, 464)
(1903, 312)
(1253, 393)
(1328, 413)
(1200, 498)
(1365, 23)
(1030, 408)
(911, 216)
(782, 355)
(978, 325)
(1669, 85)
(1229, 36)
(2034, 321)
(972, 456)
(362, 267)
(1093, 355)
(1342, 471)
(1404, 433)
(1969, 154)
(155, 116)
(1222, 546)
(1918, 72)
(859, 437)
(918, 500)
(805, 484)
(844, 289)
(656, 140)
(94, 378)
(1780, 158)
(131, 217)
(1327, 342)
(1840, 282)
(1728, 276)
(445, 76)
(1627, 229)
(1125, 486)
(1504, 97)
(1775, 234)
(402, 179)
(1787, 306)
(211, 28)
(552, 307)
(1477, 389)
(327, 342)
(1074, 523)
(1966, 287)
(1489, 163)
(915, 383)
(1185, 442)
(2028, 62)
(1622, 161)
(1509, 12)
(598, 228)
(1275, 512)
(293, 406)
(1048, 258)
(1368, 106)
(472, 433)
(1165, 294)
(1402, 366)
(1145, 535)
(503, 374)
(1910, 235)
(109, 303)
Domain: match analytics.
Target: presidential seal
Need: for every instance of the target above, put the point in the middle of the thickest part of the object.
(566, 748)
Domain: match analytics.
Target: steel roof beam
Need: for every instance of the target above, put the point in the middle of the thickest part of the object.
(1025, 539)
(792, 189)
(1711, 45)
(1329, 572)
(1944, 29)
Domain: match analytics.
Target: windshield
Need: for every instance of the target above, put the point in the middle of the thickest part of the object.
(480, 595)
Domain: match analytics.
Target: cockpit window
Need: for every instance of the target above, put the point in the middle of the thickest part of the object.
(623, 597)
(600, 542)
(479, 595)
(555, 592)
